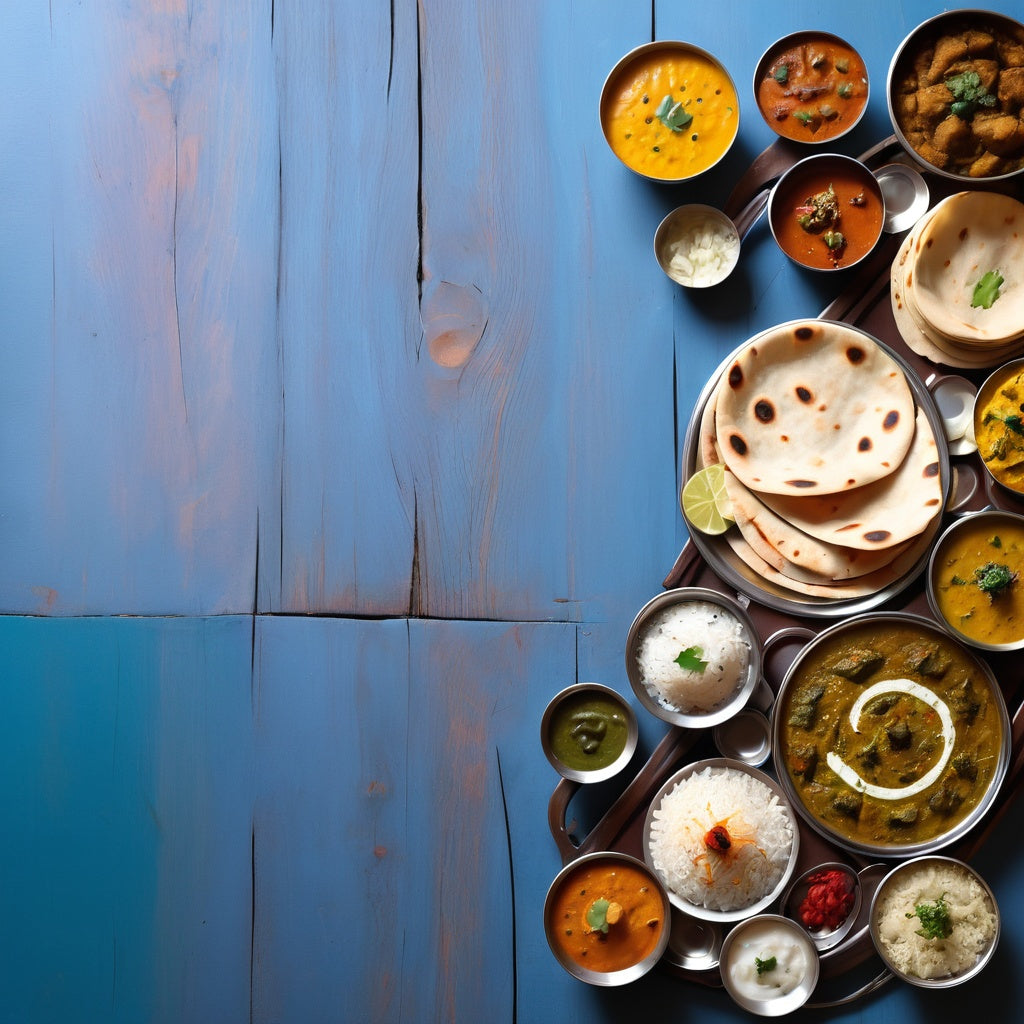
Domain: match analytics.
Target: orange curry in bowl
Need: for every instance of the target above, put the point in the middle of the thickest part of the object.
(811, 87)
(827, 212)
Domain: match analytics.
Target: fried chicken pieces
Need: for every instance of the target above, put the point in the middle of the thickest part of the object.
(958, 98)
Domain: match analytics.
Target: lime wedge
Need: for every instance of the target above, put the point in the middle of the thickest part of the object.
(706, 502)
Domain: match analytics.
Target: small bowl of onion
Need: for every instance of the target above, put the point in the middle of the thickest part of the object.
(697, 245)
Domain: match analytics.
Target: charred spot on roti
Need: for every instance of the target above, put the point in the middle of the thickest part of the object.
(931, 503)
(764, 410)
(932, 469)
(804, 394)
(877, 536)
(804, 333)
(892, 420)
(737, 444)
(784, 438)
(856, 354)
(801, 484)
(735, 376)
(864, 444)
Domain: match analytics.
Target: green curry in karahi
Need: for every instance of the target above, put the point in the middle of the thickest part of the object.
(890, 733)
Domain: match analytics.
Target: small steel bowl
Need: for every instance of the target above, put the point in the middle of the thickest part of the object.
(895, 881)
(619, 92)
(576, 699)
(899, 82)
(763, 937)
(993, 521)
(805, 178)
(629, 971)
(806, 123)
(745, 737)
(646, 619)
(907, 196)
(697, 246)
(824, 938)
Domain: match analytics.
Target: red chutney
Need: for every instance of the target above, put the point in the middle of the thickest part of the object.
(860, 211)
(829, 900)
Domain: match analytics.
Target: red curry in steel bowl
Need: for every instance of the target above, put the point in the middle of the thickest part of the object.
(827, 212)
(811, 87)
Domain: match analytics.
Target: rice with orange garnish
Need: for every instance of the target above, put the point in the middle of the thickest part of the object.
(706, 868)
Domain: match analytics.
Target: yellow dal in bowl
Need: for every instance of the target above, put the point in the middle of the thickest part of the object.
(642, 140)
(977, 542)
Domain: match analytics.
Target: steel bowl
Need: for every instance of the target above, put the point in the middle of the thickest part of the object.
(993, 521)
(758, 904)
(627, 973)
(924, 630)
(823, 937)
(983, 397)
(668, 49)
(789, 191)
(844, 117)
(775, 935)
(902, 63)
(584, 691)
(905, 872)
(691, 718)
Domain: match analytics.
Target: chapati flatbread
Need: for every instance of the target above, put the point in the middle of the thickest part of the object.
(843, 590)
(813, 407)
(794, 553)
(969, 234)
(878, 515)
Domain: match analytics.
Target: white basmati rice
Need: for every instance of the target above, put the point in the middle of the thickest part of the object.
(710, 629)
(760, 828)
(970, 910)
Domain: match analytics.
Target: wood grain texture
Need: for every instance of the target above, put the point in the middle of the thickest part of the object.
(341, 405)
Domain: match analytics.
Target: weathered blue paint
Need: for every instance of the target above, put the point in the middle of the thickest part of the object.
(340, 416)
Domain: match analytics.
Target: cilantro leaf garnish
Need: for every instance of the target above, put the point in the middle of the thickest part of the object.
(781, 74)
(672, 114)
(993, 578)
(986, 291)
(968, 94)
(763, 966)
(934, 918)
(690, 659)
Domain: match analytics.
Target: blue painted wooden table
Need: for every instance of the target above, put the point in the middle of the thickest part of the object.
(340, 418)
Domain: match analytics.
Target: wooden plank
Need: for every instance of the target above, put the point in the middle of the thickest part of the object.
(126, 851)
(144, 417)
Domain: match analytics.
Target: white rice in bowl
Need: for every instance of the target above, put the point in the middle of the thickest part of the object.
(971, 913)
(714, 636)
(760, 831)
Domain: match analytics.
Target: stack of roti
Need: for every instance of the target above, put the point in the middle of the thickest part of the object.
(832, 471)
(939, 266)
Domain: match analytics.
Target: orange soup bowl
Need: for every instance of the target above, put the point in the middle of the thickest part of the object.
(669, 111)
(827, 212)
(811, 87)
(607, 918)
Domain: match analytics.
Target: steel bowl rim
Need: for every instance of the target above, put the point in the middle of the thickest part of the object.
(667, 44)
(740, 697)
(626, 974)
(964, 826)
(928, 24)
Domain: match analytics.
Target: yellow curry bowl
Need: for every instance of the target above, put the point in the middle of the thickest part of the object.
(976, 580)
(999, 425)
(669, 111)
